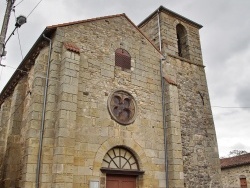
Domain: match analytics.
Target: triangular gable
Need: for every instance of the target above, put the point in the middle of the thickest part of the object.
(53, 27)
(34, 51)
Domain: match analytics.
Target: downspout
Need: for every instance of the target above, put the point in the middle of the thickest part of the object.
(43, 114)
(163, 103)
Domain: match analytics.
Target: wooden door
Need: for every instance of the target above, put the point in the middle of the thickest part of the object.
(243, 183)
(120, 181)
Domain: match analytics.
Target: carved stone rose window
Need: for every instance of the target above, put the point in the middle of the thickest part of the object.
(122, 107)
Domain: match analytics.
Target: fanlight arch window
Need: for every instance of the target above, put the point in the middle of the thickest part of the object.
(120, 159)
(182, 41)
(122, 59)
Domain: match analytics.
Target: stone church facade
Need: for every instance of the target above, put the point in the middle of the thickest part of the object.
(103, 103)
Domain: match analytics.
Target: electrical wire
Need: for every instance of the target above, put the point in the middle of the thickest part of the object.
(1, 73)
(20, 46)
(59, 81)
(91, 51)
(229, 107)
(18, 4)
(26, 72)
(34, 8)
(40, 76)
(16, 69)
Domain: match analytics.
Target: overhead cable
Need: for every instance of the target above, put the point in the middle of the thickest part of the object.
(229, 107)
(18, 4)
(34, 8)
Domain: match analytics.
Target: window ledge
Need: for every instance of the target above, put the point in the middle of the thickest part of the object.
(121, 171)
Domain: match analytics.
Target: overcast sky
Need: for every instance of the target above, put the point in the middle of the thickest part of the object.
(225, 41)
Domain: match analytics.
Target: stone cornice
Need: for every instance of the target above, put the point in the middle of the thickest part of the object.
(167, 11)
(186, 60)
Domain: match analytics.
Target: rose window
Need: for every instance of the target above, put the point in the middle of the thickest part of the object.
(122, 107)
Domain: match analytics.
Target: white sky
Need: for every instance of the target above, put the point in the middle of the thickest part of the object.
(225, 42)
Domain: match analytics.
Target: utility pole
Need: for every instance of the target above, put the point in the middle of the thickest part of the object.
(6, 19)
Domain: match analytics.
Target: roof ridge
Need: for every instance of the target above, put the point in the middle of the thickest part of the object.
(235, 161)
(84, 21)
(236, 156)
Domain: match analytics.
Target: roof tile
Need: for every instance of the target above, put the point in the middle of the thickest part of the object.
(235, 161)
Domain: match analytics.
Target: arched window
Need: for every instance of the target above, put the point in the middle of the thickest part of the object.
(182, 41)
(122, 59)
(119, 160)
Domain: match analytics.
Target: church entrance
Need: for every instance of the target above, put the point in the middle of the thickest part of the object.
(121, 168)
(120, 181)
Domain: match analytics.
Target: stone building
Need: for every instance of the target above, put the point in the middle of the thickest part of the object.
(105, 103)
(235, 171)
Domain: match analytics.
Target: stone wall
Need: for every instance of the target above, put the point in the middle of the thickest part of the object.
(20, 127)
(4, 115)
(168, 24)
(231, 176)
(95, 131)
(199, 145)
(198, 137)
(78, 128)
(11, 145)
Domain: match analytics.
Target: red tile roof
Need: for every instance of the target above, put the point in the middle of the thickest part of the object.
(71, 47)
(235, 161)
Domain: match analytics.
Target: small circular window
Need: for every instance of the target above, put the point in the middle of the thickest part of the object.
(122, 107)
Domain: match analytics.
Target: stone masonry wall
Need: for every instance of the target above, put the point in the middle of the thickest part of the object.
(151, 30)
(31, 120)
(78, 128)
(95, 131)
(174, 145)
(32, 115)
(200, 154)
(169, 36)
(231, 176)
(198, 138)
(4, 115)
(11, 125)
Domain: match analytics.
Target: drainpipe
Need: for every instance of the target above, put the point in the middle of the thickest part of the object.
(163, 103)
(43, 114)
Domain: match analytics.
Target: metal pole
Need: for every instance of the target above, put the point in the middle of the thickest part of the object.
(43, 114)
(163, 102)
(4, 29)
